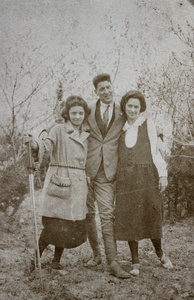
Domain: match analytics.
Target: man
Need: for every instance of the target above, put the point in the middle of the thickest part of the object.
(105, 122)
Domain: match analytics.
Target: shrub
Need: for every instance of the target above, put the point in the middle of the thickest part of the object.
(180, 191)
(14, 185)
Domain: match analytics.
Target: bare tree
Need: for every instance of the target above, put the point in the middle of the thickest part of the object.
(21, 79)
(170, 91)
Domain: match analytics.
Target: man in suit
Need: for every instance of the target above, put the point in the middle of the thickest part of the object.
(105, 122)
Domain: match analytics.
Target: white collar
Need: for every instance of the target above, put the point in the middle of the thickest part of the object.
(136, 124)
(102, 104)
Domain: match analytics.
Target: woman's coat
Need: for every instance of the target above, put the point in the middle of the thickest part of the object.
(66, 147)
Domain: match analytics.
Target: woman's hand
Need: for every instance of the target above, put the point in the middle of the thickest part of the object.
(29, 139)
(163, 182)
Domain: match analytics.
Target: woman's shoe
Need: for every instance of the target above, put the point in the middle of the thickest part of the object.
(135, 270)
(166, 263)
(57, 266)
(94, 261)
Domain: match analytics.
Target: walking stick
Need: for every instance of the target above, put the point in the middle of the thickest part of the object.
(31, 183)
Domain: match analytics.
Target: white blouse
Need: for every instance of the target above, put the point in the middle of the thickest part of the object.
(131, 139)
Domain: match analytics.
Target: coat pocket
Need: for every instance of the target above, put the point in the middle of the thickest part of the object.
(59, 187)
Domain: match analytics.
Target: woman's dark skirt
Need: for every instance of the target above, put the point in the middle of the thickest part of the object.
(63, 233)
(139, 207)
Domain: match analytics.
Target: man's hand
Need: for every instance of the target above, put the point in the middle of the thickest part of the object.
(29, 139)
(163, 183)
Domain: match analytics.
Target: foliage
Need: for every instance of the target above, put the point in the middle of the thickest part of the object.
(28, 72)
(13, 175)
(14, 185)
(180, 192)
(170, 92)
(13, 158)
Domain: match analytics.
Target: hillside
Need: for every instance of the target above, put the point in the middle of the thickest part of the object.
(76, 281)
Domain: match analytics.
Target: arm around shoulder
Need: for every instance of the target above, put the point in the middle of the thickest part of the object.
(156, 155)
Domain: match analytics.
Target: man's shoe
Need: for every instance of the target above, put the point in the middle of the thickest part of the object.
(117, 271)
(166, 263)
(94, 261)
(135, 270)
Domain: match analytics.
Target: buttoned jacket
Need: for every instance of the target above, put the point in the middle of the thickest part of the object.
(66, 148)
(103, 150)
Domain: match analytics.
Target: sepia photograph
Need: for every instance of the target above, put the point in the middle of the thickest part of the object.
(97, 149)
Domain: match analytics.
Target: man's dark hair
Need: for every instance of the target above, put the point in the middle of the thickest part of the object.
(100, 78)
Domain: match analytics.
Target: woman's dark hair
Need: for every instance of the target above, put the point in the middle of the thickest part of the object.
(74, 101)
(132, 94)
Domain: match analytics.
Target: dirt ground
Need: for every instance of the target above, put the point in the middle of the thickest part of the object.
(79, 282)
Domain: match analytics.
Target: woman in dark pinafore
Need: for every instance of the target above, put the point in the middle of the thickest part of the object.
(141, 177)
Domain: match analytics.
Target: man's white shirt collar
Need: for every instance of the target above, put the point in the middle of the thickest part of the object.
(104, 105)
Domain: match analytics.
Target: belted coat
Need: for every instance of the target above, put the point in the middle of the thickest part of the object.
(66, 147)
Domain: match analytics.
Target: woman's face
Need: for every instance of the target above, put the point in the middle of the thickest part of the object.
(76, 115)
(132, 109)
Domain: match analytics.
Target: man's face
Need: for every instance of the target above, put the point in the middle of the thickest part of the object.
(105, 91)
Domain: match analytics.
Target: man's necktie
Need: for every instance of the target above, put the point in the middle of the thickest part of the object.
(106, 116)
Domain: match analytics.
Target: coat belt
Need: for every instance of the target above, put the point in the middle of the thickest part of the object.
(67, 166)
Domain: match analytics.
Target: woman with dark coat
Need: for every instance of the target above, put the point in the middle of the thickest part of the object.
(63, 217)
(141, 177)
